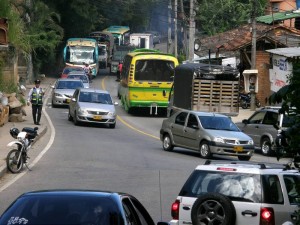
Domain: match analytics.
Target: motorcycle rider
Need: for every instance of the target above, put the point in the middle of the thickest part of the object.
(88, 70)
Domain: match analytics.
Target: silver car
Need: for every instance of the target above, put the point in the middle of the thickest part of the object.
(63, 90)
(208, 133)
(92, 106)
(80, 75)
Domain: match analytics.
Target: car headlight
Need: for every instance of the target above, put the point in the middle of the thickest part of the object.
(58, 95)
(251, 142)
(111, 114)
(219, 140)
(81, 111)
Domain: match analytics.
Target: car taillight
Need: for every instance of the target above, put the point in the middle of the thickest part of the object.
(175, 210)
(267, 216)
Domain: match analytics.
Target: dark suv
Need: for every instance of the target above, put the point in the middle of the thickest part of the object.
(260, 127)
(238, 193)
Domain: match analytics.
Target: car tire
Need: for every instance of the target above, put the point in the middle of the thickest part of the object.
(204, 149)
(53, 105)
(167, 143)
(70, 118)
(244, 157)
(213, 208)
(112, 126)
(266, 147)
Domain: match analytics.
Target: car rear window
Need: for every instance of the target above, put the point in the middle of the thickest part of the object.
(237, 186)
(63, 210)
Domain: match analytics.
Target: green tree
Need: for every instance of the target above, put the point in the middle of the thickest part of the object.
(217, 16)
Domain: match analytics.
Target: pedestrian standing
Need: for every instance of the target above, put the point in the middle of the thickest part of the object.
(35, 97)
(119, 71)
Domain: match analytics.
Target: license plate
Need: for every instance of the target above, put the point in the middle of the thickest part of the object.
(67, 100)
(97, 117)
(238, 148)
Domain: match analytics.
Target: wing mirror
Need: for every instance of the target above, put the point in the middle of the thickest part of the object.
(245, 121)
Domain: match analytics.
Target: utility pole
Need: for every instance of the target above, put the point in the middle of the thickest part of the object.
(191, 31)
(253, 51)
(169, 42)
(175, 29)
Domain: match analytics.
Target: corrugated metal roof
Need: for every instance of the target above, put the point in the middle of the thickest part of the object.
(287, 52)
(268, 19)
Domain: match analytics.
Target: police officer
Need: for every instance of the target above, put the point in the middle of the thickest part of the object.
(35, 97)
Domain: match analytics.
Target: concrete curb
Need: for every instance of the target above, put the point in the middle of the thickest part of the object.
(3, 168)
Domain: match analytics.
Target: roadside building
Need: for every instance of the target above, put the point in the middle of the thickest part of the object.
(281, 66)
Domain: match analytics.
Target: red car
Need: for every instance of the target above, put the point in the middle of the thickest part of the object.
(68, 69)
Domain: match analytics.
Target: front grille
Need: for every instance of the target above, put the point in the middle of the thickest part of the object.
(235, 142)
(97, 112)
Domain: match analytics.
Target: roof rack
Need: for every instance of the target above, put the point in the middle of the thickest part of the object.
(260, 164)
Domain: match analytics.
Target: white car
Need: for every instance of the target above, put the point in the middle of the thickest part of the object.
(238, 193)
(63, 90)
(92, 106)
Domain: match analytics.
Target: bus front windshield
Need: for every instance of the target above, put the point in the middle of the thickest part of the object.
(82, 54)
(154, 70)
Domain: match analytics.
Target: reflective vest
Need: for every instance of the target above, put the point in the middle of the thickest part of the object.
(36, 99)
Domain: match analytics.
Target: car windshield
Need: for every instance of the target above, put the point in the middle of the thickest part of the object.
(79, 77)
(236, 186)
(93, 97)
(62, 210)
(69, 85)
(217, 123)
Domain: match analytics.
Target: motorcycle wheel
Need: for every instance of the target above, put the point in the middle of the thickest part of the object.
(257, 103)
(14, 161)
(244, 105)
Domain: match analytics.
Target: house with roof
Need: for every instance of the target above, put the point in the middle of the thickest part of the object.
(237, 43)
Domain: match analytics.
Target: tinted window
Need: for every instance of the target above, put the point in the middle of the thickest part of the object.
(292, 185)
(270, 118)
(217, 123)
(180, 118)
(102, 98)
(79, 77)
(272, 189)
(192, 121)
(63, 210)
(237, 186)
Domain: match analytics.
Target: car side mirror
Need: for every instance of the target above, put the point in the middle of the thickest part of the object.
(276, 126)
(245, 121)
(196, 127)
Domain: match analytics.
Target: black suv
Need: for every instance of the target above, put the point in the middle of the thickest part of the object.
(260, 127)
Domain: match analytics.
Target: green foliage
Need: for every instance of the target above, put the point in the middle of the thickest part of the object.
(7, 86)
(217, 16)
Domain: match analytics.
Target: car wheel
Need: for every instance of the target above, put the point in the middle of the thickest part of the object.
(244, 157)
(266, 148)
(112, 125)
(70, 118)
(213, 208)
(167, 143)
(205, 150)
(53, 105)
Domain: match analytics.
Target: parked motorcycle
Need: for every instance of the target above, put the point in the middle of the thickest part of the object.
(245, 101)
(17, 157)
